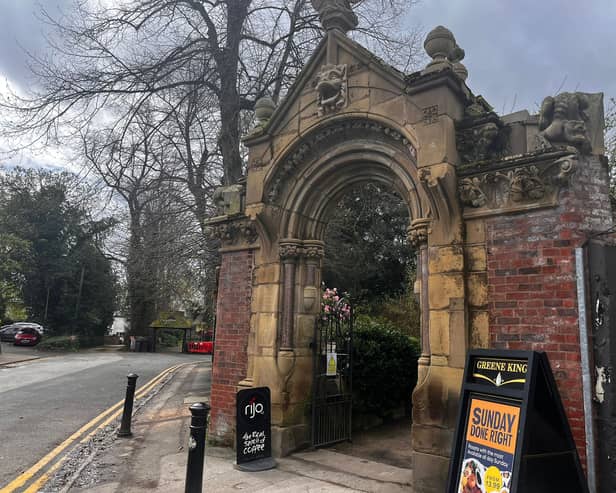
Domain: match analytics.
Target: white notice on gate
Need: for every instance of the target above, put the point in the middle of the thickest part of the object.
(332, 364)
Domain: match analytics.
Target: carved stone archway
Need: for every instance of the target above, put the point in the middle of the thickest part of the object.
(494, 218)
(303, 157)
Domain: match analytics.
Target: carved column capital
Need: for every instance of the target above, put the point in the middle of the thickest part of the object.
(314, 250)
(290, 249)
(418, 232)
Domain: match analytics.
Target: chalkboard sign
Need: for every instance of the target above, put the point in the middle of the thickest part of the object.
(512, 434)
(254, 430)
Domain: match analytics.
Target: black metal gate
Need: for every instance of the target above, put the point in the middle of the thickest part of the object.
(332, 379)
(602, 277)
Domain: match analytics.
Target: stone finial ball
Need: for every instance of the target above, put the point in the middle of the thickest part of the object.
(439, 43)
(264, 108)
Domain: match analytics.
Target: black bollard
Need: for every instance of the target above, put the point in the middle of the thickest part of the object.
(127, 415)
(196, 447)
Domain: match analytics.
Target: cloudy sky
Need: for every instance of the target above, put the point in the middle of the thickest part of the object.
(517, 51)
(524, 50)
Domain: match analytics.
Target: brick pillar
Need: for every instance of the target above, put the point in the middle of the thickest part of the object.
(232, 331)
(532, 281)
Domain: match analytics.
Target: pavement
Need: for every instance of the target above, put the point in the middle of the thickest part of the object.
(8, 356)
(154, 458)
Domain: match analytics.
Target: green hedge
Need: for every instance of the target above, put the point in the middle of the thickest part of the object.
(384, 367)
(69, 343)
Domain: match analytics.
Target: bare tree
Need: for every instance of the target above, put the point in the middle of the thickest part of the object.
(164, 244)
(236, 50)
(154, 94)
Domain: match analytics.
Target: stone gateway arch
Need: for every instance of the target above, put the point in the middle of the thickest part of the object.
(496, 205)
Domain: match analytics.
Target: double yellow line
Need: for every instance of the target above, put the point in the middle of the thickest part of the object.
(94, 425)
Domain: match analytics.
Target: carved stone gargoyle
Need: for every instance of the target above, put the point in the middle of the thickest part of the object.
(332, 88)
(562, 122)
(483, 141)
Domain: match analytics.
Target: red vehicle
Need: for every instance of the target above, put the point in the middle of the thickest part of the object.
(27, 337)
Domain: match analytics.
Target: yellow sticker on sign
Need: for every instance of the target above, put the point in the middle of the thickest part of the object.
(493, 480)
(332, 364)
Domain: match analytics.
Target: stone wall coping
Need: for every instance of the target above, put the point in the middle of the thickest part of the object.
(418, 82)
(511, 161)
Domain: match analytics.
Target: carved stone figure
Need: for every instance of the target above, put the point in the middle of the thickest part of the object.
(471, 193)
(480, 142)
(336, 14)
(332, 88)
(562, 121)
(487, 135)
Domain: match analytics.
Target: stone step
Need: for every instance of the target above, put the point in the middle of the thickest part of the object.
(347, 471)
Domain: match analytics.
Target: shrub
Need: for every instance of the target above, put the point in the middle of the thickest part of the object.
(86, 341)
(384, 367)
(59, 343)
(69, 343)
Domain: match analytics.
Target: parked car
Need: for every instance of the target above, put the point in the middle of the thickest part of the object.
(30, 325)
(27, 336)
(7, 333)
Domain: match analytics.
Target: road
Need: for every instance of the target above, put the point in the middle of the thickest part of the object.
(44, 401)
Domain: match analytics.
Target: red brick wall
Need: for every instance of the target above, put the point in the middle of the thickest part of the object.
(232, 329)
(532, 281)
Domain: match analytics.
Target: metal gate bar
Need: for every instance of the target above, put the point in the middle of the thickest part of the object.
(332, 394)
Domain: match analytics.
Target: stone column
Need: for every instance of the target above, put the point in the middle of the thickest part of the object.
(290, 250)
(418, 238)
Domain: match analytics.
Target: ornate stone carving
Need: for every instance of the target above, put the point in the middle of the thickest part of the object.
(314, 252)
(290, 250)
(238, 232)
(439, 43)
(264, 109)
(310, 249)
(478, 108)
(562, 122)
(331, 88)
(249, 232)
(329, 136)
(441, 46)
(523, 186)
(480, 141)
(470, 192)
(430, 114)
(418, 231)
(336, 14)
(566, 167)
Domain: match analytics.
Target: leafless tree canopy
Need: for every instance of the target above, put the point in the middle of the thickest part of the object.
(162, 52)
(155, 94)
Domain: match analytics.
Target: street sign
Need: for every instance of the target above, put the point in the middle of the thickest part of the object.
(512, 434)
(254, 430)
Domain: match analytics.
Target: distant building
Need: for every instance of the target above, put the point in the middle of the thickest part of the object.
(120, 326)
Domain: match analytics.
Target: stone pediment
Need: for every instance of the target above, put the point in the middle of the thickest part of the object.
(341, 76)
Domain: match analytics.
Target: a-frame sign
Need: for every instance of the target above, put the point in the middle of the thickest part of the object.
(512, 434)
